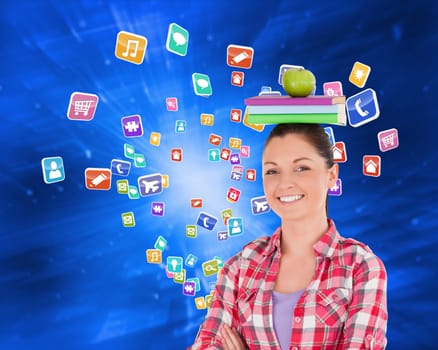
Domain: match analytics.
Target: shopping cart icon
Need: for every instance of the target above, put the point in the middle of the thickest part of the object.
(82, 106)
(388, 139)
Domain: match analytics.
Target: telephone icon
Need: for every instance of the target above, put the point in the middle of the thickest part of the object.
(362, 113)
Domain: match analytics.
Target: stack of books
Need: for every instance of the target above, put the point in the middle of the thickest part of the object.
(286, 109)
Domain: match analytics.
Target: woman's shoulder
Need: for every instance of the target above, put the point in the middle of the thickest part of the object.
(357, 251)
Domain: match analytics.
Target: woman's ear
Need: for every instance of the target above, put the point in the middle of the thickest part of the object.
(333, 175)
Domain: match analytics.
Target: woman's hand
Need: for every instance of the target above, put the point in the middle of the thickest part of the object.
(231, 339)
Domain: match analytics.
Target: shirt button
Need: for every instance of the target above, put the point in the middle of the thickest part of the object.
(294, 348)
(297, 319)
(369, 337)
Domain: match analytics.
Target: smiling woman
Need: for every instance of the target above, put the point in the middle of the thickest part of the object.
(306, 286)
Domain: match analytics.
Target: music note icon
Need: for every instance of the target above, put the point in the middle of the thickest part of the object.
(130, 47)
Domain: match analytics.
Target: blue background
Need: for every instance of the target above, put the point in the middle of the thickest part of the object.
(73, 277)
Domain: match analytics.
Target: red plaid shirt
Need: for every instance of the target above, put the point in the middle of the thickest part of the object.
(344, 306)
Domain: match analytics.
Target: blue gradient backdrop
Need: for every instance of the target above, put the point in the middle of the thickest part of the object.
(73, 277)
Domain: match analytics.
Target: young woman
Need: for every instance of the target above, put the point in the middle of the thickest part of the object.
(305, 287)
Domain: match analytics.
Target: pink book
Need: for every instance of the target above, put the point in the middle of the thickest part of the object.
(294, 101)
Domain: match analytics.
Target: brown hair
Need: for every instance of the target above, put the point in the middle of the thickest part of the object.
(314, 134)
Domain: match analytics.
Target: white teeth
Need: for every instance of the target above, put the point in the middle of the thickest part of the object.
(291, 198)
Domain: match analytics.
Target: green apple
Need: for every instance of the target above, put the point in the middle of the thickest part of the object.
(298, 82)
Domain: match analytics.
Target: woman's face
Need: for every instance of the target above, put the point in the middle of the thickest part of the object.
(296, 177)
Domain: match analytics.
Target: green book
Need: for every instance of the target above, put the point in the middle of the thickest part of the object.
(311, 118)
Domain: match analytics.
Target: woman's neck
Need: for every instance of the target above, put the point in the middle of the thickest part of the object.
(299, 236)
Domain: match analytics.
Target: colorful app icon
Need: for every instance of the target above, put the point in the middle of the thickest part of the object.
(233, 195)
(130, 47)
(172, 104)
(191, 231)
(362, 108)
(133, 192)
(160, 243)
(339, 152)
(122, 186)
(213, 155)
(215, 139)
(282, 70)
(226, 214)
(240, 56)
(150, 184)
(196, 202)
(235, 143)
(132, 126)
(129, 150)
(237, 176)
(329, 131)
(388, 139)
(256, 127)
(189, 288)
(207, 119)
(128, 219)
(82, 106)
(201, 84)
(157, 208)
(139, 160)
(154, 256)
(206, 221)
(98, 178)
(120, 167)
(237, 78)
(236, 115)
(222, 235)
(359, 74)
(225, 154)
(174, 264)
(235, 227)
(333, 88)
(176, 154)
(245, 151)
(53, 169)
(210, 267)
(250, 174)
(177, 40)
(208, 299)
(191, 260)
(155, 139)
(200, 303)
(336, 190)
(259, 205)
(371, 165)
(179, 277)
(165, 180)
(180, 126)
(235, 159)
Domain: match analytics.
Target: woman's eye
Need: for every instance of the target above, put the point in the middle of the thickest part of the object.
(270, 172)
(301, 169)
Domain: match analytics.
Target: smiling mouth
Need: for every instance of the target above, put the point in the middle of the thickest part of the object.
(290, 199)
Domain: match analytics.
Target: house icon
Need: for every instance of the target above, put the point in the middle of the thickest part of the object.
(371, 167)
(337, 153)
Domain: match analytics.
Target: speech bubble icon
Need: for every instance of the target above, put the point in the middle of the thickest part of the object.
(202, 83)
(178, 38)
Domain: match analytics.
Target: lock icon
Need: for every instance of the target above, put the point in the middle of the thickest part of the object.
(233, 195)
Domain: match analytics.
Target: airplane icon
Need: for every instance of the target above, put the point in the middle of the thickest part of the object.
(259, 205)
(150, 184)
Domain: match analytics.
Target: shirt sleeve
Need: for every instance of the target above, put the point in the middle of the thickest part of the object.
(365, 327)
(222, 308)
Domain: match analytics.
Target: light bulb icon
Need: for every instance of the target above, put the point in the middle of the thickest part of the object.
(174, 264)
